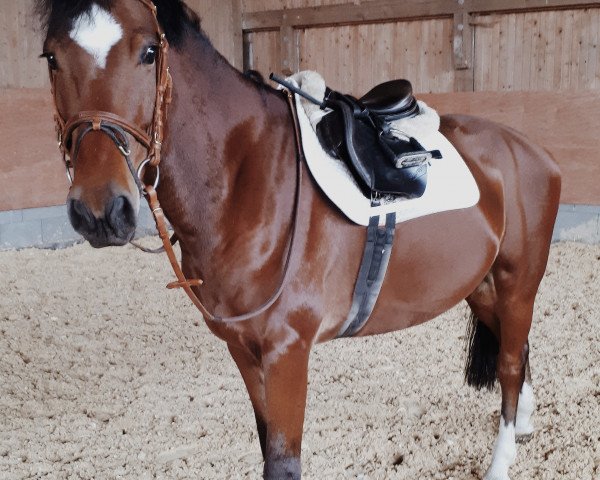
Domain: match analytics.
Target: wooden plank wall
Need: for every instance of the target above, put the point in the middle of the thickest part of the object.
(520, 58)
(20, 46)
(372, 53)
(538, 51)
(252, 6)
(514, 52)
(21, 38)
(529, 51)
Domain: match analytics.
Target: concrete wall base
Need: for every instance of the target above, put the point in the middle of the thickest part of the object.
(49, 227)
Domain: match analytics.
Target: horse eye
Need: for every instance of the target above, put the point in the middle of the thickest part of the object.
(149, 55)
(52, 63)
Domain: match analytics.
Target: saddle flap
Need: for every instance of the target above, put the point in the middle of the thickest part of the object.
(370, 158)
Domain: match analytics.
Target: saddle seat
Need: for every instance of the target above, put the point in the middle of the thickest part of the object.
(360, 132)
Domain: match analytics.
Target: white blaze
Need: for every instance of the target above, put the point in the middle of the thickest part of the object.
(96, 32)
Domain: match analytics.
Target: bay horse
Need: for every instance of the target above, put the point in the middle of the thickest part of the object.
(227, 185)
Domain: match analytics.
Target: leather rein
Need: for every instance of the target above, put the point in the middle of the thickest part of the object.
(116, 128)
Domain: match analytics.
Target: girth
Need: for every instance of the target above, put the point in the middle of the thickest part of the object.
(371, 274)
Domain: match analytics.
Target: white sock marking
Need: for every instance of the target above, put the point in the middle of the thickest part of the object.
(524, 411)
(96, 32)
(505, 452)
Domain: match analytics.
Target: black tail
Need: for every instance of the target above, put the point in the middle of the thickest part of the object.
(482, 355)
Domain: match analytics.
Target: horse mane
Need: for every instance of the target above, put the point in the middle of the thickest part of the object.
(175, 17)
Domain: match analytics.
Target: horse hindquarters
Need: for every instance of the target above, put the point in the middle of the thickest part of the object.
(503, 303)
(504, 358)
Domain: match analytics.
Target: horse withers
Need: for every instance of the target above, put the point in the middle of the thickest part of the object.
(227, 158)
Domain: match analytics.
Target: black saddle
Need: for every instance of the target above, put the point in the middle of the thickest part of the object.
(359, 132)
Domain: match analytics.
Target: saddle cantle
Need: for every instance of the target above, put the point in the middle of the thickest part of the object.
(359, 131)
(393, 100)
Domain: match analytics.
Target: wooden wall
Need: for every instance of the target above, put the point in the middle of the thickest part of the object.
(21, 39)
(538, 51)
(531, 51)
(335, 52)
(515, 51)
(532, 64)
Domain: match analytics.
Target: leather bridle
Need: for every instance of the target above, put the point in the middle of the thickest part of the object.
(116, 128)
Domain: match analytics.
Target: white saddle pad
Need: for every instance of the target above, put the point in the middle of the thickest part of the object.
(450, 184)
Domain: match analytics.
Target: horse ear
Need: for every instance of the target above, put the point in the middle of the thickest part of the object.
(176, 18)
(192, 16)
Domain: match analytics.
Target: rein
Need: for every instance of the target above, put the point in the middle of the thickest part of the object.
(116, 127)
(183, 282)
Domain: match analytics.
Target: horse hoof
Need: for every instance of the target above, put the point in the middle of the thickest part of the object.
(524, 438)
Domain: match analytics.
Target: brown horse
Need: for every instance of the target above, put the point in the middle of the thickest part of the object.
(228, 177)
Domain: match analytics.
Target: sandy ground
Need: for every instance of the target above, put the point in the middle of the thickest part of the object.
(105, 374)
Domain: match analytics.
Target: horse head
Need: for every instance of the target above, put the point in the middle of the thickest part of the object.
(107, 63)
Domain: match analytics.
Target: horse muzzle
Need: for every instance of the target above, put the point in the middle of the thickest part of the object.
(114, 227)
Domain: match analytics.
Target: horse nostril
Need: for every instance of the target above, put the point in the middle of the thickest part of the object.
(120, 216)
(80, 215)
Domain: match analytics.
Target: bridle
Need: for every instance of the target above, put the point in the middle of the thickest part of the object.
(116, 128)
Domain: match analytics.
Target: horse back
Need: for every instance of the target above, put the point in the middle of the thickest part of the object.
(440, 259)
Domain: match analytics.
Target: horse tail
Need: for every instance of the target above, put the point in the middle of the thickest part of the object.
(482, 355)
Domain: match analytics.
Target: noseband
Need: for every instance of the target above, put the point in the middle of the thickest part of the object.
(115, 126)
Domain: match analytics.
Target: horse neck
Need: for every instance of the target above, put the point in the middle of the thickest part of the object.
(228, 165)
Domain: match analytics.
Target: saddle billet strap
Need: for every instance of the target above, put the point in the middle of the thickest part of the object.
(183, 282)
(373, 267)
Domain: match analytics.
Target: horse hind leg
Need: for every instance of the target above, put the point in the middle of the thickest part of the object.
(524, 427)
(481, 372)
(498, 349)
(512, 361)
